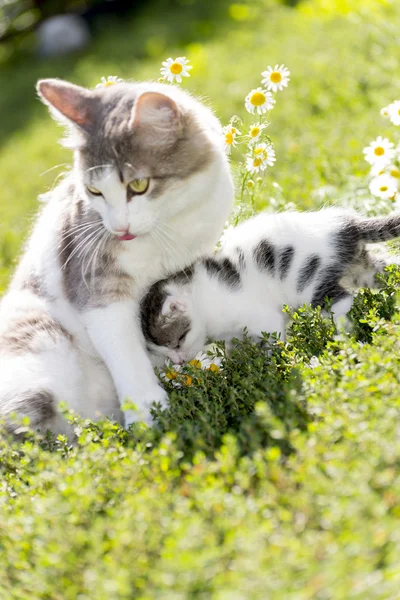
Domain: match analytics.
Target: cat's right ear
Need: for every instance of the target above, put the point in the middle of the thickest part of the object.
(68, 102)
(173, 306)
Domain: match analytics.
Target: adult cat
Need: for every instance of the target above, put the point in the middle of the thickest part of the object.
(149, 192)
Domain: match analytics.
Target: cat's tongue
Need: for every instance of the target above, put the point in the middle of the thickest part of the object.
(126, 236)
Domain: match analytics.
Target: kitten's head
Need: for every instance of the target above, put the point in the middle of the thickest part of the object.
(143, 150)
(172, 327)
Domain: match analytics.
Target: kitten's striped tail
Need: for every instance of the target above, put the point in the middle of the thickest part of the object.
(379, 229)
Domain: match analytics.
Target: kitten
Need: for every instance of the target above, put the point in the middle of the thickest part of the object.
(264, 263)
(149, 193)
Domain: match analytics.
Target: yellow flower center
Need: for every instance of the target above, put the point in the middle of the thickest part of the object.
(257, 99)
(171, 375)
(195, 363)
(176, 68)
(259, 151)
(383, 188)
(233, 130)
(275, 77)
(250, 184)
(188, 380)
(108, 83)
(228, 138)
(257, 162)
(254, 131)
(379, 151)
(395, 173)
(214, 368)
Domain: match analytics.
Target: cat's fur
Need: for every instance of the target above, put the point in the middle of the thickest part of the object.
(69, 324)
(264, 263)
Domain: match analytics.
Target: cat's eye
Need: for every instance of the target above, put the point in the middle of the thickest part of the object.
(94, 191)
(139, 186)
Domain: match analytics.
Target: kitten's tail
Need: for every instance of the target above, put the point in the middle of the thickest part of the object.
(379, 229)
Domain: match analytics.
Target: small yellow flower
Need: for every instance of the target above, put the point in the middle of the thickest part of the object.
(188, 380)
(262, 156)
(385, 112)
(171, 375)
(275, 79)
(255, 132)
(230, 133)
(195, 363)
(175, 69)
(394, 172)
(110, 80)
(259, 101)
(214, 368)
(380, 152)
(250, 184)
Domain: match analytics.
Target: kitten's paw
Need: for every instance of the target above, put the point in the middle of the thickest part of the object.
(156, 394)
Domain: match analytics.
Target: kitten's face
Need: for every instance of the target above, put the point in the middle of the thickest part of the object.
(175, 331)
(142, 151)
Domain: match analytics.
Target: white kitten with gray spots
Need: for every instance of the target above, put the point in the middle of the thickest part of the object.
(266, 262)
(149, 193)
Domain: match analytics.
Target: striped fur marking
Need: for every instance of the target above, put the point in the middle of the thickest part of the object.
(308, 271)
(285, 261)
(264, 256)
(225, 270)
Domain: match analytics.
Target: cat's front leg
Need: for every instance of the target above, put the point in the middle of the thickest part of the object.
(117, 336)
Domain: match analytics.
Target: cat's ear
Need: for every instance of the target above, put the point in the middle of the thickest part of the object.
(74, 103)
(173, 306)
(157, 118)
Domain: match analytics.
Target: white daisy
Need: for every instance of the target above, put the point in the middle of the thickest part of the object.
(175, 69)
(259, 101)
(383, 186)
(110, 80)
(262, 156)
(255, 132)
(230, 133)
(205, 362)
(394, 172)
(275, 79)
(385, 112)
(380, 151)
(394, 112)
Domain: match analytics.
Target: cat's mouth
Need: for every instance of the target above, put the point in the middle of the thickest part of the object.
(126, 236)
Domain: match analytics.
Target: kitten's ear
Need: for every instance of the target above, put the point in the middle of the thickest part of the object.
(67, 100)
(157, 118)
(173, 306)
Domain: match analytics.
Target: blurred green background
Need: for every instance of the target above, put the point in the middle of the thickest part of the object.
(343, 57)
(127, 515)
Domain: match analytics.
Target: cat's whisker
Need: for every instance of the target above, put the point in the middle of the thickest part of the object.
(100, 236)
(169, 242)
(53, 168)
(79, 228)
(85, 232)
(95, 255)
(79, 246)
(109, 165)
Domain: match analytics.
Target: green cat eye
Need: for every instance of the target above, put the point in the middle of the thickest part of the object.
(139, 186)
(93, 191)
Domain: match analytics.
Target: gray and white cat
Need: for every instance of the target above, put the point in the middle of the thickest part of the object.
(149, 193)
(268, 261)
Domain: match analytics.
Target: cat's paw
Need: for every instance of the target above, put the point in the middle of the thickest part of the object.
(154, 395)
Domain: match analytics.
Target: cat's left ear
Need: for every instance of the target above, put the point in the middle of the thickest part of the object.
(157, 118)
(173, 306)
(67, 100)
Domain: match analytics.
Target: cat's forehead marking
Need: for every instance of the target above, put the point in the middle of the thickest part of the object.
(115, 139)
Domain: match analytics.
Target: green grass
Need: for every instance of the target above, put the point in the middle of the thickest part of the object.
(270, 479)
